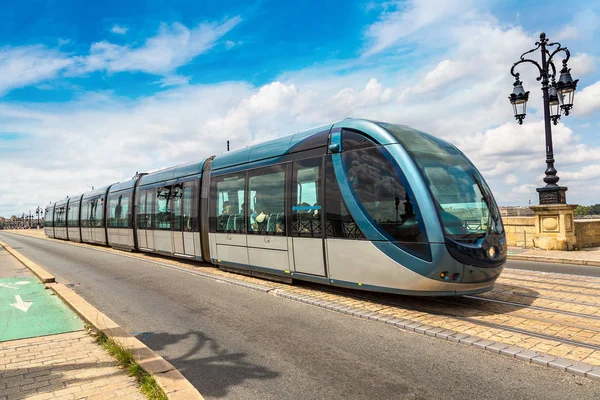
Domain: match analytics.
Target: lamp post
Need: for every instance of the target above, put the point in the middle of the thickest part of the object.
(557, 96)
(38, 211)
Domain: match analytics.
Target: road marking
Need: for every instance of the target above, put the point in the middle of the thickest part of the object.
(14, 285)
(21, 305)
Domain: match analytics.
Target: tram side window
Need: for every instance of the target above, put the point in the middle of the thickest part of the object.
(48, 217)
(92, 215)
(188, 197)
(59, 217)
(266, 193)
(85, 213)
(176, 203)
(231, 213)
(339, 223)
(141, 210)
(150, 205)
(306, 208)
(98, 213)
(162, 214)
(113, 204)
(124, 218)
(73, 215)
(118, 211)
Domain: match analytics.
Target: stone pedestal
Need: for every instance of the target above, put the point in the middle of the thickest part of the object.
(554, 226)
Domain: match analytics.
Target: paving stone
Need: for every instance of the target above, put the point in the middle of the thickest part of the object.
(593, 374)
(401, 323)
(384, 318)
(375, 317)
(412, 325)
(423, 328)
(580, 368)
(511, 351)
(497, 347)
(527, 355)
(543, 360)
(469, 340)
(482, 344)
(561, 363)
(457, 336)
(433, 331)
(445, 334)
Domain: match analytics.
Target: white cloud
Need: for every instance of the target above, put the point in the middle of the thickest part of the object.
(568, 32)
(587, 101)
(173, 80)
(23, 66)
(173, 46)
(412, 16)
(119, 30)
(581, 64)
(511, 179)
(451, 96)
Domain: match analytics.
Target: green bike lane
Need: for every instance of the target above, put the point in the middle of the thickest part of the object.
(27, 308)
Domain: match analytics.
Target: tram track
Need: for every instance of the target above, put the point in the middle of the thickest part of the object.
(560, 275)
(548, 287)
(548, 298)
(540, 308)
(492, 325)
(561, 283)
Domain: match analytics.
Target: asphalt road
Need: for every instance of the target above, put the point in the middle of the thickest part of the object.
(572, 269)
(238, 343)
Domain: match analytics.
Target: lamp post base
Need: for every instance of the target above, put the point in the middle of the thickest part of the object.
(552, 195)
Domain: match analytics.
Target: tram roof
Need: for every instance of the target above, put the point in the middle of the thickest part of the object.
(265, 150)
(62, 202)
(179, 171)
(123, 185)
(286, 144)
(96, 192)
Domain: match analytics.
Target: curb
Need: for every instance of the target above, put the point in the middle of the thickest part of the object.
(553, 260)
(564, 364)
(170, 380)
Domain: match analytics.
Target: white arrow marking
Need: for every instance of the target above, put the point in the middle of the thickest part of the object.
(21, 305)
(14, 285)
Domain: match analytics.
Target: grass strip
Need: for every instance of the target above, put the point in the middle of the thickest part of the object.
(125, 359)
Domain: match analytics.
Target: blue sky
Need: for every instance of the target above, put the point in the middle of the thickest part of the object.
(91, 92)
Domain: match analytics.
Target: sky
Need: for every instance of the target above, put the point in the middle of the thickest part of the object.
(93, 92)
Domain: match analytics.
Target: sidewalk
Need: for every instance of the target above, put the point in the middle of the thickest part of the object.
(45, 353)
(590, 256)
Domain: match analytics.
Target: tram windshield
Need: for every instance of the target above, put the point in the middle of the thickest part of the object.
(464, 201)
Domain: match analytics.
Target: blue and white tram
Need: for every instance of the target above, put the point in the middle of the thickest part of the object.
(360, 204)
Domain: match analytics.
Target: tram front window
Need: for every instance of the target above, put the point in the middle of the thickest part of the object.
(464, 201)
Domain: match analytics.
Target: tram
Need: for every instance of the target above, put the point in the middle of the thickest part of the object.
(360, 204)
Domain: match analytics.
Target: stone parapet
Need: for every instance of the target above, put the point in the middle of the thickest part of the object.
(587, 233)
(554, 226)
(520, 231)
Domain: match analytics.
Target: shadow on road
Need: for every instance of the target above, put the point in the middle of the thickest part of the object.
(210, 368)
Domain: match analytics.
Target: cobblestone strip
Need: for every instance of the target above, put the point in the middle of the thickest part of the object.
(564, 364)
(65, 366)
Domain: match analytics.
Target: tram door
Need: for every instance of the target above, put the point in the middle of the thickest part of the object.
(307, 217)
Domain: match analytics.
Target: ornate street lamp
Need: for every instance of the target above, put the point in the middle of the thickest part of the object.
(557, 97)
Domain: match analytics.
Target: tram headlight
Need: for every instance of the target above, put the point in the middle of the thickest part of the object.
(491, 252)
